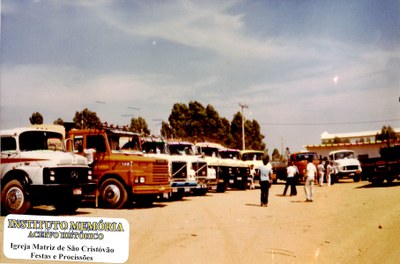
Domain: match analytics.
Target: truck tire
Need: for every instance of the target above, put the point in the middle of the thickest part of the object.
(176, 196)
(357, 178)
(112, 194)
(14, 199)
(221, 187)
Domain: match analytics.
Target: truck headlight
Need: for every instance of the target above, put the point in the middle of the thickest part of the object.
(140, 180)
(90, 177)
(52, 175)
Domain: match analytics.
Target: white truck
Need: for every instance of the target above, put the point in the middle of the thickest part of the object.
(185, 175)
(345, 164)
(210, 152)
(255, 158)
(239, 173)
(36, 170)
(196, 165)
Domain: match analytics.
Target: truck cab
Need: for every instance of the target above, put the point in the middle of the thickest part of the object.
(300, 160)
(255, 158)
(182, 176)
(196, 165)
(122, 173)
(216, 166)
(36, 170)
(239, 176)
(345, 164)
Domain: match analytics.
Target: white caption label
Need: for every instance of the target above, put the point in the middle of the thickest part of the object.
(54, 238)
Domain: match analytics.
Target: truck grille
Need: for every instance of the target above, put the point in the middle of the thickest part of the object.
(351, 167)
(160, 173)
(201, 169)
(179, 170)
(63, 175)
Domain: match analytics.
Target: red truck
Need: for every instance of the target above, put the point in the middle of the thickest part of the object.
(122, 175)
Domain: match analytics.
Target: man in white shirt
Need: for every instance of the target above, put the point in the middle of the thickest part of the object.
(291, 172)
(265, 172)
(311, 172)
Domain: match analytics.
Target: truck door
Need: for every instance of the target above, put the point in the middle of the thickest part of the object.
(97, 147)
(9, 154)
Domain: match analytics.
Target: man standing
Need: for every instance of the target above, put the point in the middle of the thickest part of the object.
(265, 181)
(321, 173)
(329, 170)
(311, 172)
(291, 172)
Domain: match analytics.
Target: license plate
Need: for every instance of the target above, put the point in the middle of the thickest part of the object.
(77, 191)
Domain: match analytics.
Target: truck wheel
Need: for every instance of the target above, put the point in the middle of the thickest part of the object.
(113, 194)
(176, 196)
(389, 179)
(243, 186)
(357, 178)
(221, 187)
(14, 199)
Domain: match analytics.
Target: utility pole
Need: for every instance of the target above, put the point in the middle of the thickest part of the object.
(243, 139)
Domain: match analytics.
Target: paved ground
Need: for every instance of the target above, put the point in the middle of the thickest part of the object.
(347, 223)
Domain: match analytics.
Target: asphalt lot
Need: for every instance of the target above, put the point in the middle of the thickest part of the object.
(347, 223)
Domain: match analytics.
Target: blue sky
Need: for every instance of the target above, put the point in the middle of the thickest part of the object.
(302, 67)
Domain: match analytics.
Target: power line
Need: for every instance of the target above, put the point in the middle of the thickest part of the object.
(326, 123)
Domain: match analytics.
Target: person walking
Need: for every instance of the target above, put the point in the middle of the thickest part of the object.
(329, 170)
(291, 172)
(265, 172)
(311, 172)
(321, 173)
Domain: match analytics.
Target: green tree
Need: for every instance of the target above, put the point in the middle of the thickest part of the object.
(178, 120)
(166, 130)
(86, 119)
(387, 134)
(253, 136)
(195, 122)
(139, 125)
(236, 131)
(252, 133)
(36, 119)
(59, 121)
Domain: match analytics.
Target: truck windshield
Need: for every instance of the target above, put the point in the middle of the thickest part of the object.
(252, 156)
(41, 140)
(306, 156)
(181, 149)
(229, 154)
(158, 147)
(344, 154)
(208, 151)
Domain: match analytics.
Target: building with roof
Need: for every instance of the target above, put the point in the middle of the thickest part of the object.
(363, 143)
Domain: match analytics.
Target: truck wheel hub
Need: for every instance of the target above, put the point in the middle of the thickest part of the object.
(112, 193)
(15, 198)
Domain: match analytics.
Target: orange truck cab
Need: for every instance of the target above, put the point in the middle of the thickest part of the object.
(300, 160)
(122, 175)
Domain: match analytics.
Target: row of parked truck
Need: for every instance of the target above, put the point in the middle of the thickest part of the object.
(42, 165)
